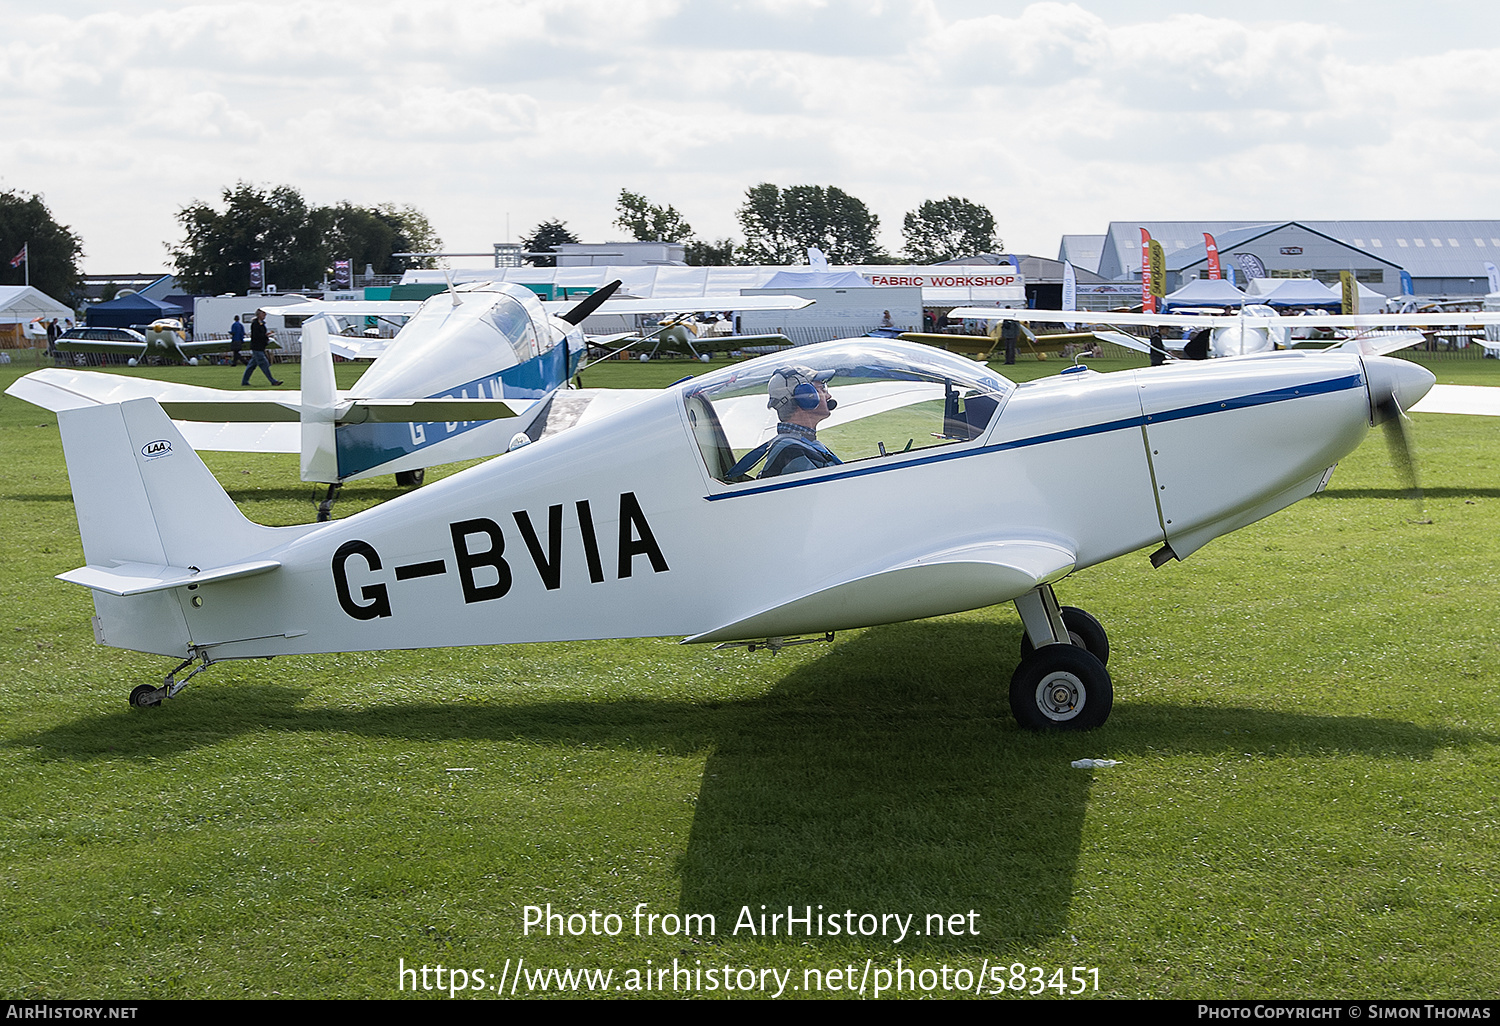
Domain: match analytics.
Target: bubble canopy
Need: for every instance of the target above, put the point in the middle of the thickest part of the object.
(805, 409)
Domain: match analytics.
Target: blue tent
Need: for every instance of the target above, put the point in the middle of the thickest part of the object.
(129, 310)
(1303, 292)
(1204, 292)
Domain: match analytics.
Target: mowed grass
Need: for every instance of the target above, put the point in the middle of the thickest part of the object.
(1307, 715)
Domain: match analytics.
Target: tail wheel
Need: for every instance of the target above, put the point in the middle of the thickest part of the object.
(1061, 687)
(1085, 631)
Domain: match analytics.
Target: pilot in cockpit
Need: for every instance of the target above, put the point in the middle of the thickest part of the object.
(801, 401)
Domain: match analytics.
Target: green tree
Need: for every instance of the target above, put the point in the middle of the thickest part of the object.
(710, 254)
(371, 235)
(648, 222)
(947, 229)
(52, 250)
(544, 238)
(275, 226)
(297, 242)
(780, 224)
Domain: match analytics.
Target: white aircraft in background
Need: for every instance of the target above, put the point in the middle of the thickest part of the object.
(163, 339)
(952, 489)
(1256, 329)
(473, 368)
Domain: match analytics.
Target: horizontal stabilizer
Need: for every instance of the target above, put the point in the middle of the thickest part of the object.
(430, 411)
(140, 578)
(968, 577)
(57, 389)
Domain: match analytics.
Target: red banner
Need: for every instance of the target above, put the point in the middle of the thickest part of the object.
(1213, 257)
(1148, 301)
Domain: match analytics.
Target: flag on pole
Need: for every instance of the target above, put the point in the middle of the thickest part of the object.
(21, 257)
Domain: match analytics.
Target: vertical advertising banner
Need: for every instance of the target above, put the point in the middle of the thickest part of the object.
(257, 276)
(1069, 291)
(342, 275)
(1351, 292)
(1213, 257)
(1158, 273)
(1494, 274)
(1148, 301)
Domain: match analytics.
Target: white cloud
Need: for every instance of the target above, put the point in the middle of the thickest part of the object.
(1058, 116)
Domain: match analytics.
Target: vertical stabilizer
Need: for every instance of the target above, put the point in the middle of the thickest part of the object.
(320, 460)
(142, 495)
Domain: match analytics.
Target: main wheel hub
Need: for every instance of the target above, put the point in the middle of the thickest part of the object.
(1061, 696)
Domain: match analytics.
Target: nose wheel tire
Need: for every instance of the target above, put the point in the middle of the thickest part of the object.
(1061, 687)
(410, 478)
(1086, 631)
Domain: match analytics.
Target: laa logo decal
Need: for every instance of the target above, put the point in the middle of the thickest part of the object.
(155, 450)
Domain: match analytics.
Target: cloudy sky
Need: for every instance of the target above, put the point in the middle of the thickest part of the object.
(493, 115)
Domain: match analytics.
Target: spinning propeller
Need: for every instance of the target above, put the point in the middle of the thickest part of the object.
(1395, 386)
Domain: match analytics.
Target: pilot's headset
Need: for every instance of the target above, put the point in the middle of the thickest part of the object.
(796, 385)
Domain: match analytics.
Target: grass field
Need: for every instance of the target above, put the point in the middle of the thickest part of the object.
(1307, 719)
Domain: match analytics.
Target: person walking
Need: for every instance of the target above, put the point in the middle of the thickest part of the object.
(259, 339)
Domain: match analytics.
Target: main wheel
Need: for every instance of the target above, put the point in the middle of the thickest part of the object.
(410, 478)
(1087, 633)
(145, 695)
(1061, 687)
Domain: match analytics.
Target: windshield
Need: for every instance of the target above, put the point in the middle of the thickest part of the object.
(842, 402)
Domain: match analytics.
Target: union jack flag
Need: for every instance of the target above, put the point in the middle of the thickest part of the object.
(17, 260)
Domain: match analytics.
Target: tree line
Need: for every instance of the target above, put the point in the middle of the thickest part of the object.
(781, 224)
(298, 242)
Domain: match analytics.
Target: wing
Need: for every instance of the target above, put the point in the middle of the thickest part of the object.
(1419, 320)
(1477, 400)
(685, 304)
(88, 345)
(355, 348)
(930, 584)
(348, 308)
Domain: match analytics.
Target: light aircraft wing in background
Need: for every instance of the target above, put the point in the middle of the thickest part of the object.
(1255, 329)
(1474, 400)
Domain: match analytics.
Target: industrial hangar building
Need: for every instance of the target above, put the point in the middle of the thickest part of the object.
(1442, 259)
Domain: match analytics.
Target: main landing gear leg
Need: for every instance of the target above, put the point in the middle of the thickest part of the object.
(148, 694)
(325, 508)
(1061, 682)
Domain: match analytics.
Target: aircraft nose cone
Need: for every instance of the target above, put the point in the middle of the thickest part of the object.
(1390, 378)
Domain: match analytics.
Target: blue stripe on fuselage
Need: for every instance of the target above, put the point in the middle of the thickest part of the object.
(363, 447)
(1202, 409)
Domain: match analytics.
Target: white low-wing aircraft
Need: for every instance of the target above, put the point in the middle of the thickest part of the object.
(1256, 329)
(473, 367)
(949, 489)
(163, 339)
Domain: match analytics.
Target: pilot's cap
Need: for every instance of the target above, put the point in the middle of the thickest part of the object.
(784, 385)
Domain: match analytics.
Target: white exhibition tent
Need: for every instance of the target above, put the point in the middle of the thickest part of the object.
(1205, 292)
(22, 304)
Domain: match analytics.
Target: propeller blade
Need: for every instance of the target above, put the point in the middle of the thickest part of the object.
(590, 303)
(1397, 426)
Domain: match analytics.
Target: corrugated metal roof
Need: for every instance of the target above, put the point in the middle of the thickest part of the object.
(1082, 251)
(1425, 249)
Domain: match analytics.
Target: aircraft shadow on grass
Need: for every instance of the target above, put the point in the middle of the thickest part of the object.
(1403, 493)
(877, 777)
